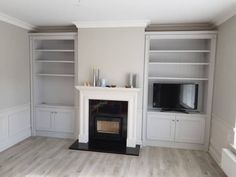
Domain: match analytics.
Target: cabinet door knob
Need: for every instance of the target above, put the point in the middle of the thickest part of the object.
(177, 120)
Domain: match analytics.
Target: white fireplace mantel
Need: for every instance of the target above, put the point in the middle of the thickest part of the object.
(103, 93)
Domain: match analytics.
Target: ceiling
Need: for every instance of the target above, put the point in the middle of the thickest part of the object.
(65, 12)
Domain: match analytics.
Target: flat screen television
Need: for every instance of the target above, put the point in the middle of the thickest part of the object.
(175, 97)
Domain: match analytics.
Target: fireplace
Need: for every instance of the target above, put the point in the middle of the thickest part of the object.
(108, 122)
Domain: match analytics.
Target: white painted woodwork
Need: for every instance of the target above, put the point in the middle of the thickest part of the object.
(14, 125)
(228, 162)
(3, 127)
(18, 122)
(43, 119)
(161, 127)
(64, 121)
(104, 93)
(190, 129)
(53, 67)
(55, 120)
(176, 127)
(181, 57)
(222, 135)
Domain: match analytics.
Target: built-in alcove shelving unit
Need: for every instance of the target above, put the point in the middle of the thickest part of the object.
(53, 79)
(179, 57)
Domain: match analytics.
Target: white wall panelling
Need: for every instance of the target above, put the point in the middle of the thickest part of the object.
(222, 136)
(14, 125)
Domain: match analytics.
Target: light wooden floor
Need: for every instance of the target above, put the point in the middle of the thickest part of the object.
(50, 157)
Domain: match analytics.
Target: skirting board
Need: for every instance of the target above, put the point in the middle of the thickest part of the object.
(55, 134)
(14, 125)
(175, 145)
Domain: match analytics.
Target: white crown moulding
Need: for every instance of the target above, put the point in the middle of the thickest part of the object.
(15, 21)
(111, 24)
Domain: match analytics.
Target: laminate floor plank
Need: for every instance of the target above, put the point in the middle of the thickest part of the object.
(50, 157)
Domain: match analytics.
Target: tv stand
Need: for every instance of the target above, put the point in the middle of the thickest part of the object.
(174, 110)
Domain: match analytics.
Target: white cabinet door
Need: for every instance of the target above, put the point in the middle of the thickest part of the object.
(64, 121)
(44, 119)
(190, 129)
(160, 126)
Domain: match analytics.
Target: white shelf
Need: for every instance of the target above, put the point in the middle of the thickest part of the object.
(179, 78)
(54, 61)
(53, 50)
(49, 105)
(56, 75)
(178, 51)
(156, 110)
(177, 63)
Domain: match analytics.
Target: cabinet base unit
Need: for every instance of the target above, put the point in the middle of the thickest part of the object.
(55, 122)
(175, 130)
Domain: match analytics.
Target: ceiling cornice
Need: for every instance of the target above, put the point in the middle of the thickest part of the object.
(224, 17)
(111, 24)
(15, 21)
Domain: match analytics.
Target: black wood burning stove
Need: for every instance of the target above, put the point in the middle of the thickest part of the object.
(107, 123)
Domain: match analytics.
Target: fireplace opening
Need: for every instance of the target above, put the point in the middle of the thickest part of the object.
(107, 124)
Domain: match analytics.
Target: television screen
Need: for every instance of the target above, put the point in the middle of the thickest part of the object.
(175, 96)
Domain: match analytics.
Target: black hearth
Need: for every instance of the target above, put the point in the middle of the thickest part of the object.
(107, 128)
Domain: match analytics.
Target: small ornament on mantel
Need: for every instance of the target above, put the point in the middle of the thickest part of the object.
(87, 84)
(96, 77)
(132, 80)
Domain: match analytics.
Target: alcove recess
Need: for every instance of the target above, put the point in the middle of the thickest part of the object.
(53, 79)
(53, 58)
(180, 59)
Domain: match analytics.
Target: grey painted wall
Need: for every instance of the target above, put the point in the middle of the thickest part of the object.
(14, 66)
(116, 51)
(224, 99)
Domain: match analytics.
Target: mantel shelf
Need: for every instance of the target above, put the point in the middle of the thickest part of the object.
(121, 89)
